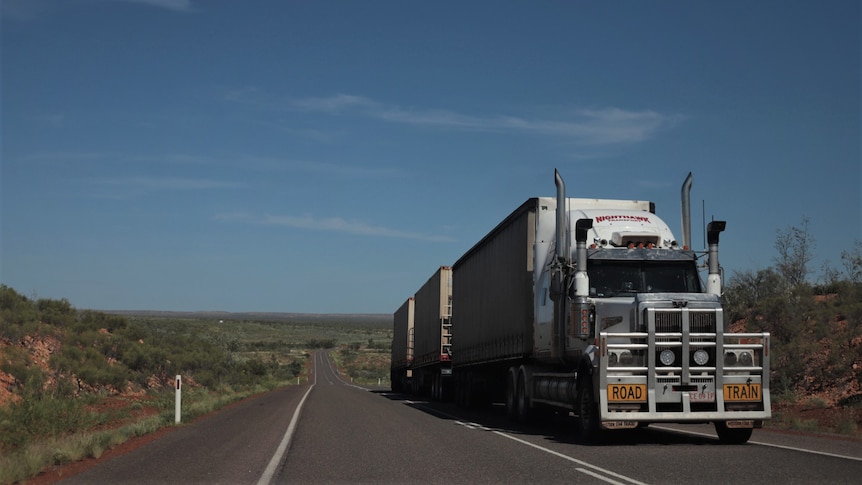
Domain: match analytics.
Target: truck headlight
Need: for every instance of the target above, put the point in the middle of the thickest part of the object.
(667, 357)
(729, 359)
(739, 358)
(626, 357)
(701, 357)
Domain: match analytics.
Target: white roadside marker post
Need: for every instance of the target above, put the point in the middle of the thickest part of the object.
(179, 401)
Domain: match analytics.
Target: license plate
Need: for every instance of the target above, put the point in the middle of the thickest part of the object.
(620, 424)
(701, 396)
(627, 393)
(742, 392)
(740, 423)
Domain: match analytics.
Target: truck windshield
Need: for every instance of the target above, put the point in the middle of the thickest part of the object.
(614, 278)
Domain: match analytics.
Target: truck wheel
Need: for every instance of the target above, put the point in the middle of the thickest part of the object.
(588, 412)
(732, 436)
(522, 401)
(511, 395)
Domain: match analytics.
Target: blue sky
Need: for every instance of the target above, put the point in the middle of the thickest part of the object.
(328, 156)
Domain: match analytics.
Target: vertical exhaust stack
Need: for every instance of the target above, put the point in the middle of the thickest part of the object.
(559, 275)
(582, 281)
(582, 319)
(563, 249)
(686, 212)
(713, 282)
(573, 315)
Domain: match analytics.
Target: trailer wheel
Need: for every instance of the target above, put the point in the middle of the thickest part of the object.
(522, 401)
(511, 395)
(732, 436)
(588, 412)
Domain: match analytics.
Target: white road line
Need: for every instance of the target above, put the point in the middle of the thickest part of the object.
(761, 443)
(600, 477)
(573, 460)
(542, 448)
(268, 473)
(806, 451)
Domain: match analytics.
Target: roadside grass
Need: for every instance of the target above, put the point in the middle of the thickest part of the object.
(108, 378)
(367, 366)
(39, 455)
(816, 416)
(35, 456)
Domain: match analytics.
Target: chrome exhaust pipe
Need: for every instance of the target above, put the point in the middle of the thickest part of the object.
(563, 250)
(713, 281)
(686, 212)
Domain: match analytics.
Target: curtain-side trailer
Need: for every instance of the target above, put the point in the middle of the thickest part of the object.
(401, 363)
(432, 364)
(617, 328)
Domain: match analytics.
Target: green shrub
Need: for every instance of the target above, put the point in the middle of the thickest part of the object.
(40, 414)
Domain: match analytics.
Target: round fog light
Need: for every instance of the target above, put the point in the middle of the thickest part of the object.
(626, 358)
(730, 359)
(701, 357)
(666, 357)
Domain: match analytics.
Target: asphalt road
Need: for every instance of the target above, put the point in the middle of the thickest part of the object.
(347, 434)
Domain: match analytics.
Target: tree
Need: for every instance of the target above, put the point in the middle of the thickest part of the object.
(852, 261)
(795, 246)
(748, 289)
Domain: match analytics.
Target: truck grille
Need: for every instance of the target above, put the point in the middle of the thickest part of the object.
(668, 322)
(683, 331)
(698, 321)
(701, 322)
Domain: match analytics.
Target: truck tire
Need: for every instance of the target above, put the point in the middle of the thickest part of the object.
(512, 394)
(526, 413)
(588, 412)
(521, 399)
(732, 436)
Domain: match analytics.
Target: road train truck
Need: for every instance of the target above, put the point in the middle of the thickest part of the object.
(432, 362)
(616, 328)
(401, 361)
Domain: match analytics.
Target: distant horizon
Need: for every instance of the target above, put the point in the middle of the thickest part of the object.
(221, 312)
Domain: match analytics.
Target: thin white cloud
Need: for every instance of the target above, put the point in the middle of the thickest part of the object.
(149, 184)
(334, 224)
(26, 10)
(175, 5)
(325, 168)
(333, 104)
(276, 164)
(603, 126)
(242, 161)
